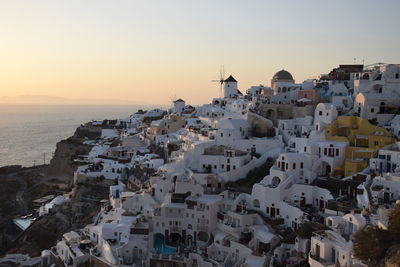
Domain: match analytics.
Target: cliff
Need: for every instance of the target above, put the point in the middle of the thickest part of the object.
(74, 215)
(63, 162)
(20, 186)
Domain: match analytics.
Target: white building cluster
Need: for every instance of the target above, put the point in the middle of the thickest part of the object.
(186, 187)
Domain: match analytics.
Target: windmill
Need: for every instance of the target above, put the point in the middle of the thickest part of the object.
(172, 100)
(221, 78)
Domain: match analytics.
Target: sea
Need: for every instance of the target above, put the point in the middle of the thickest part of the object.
(29, 133)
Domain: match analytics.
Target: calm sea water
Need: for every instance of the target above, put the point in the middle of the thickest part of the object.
(27, 132)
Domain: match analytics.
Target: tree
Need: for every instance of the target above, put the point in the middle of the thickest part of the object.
(371, 244)
(306, 229)
(394, 221)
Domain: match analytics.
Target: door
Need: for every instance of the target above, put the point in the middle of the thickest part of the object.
(272, 212)
(328, 170)
(317, 251)
(321, 204)
(302, 202)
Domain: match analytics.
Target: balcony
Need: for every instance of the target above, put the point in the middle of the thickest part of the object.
(315, 261)
(175, 229)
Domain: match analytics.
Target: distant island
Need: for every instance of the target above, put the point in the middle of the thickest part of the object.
(53, 100)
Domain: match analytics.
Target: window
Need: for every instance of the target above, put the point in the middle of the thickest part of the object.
(228, 160)
(376, 143)
(222, 134)
(222, 166)
(305, 149)
(301, 165)
(294, 166)
(234, 167)
(337, 152)
(320, 112)
(372, 110)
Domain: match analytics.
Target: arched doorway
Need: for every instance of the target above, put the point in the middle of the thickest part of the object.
(326, 169)
(203, 236)
(270, 114)
(174, 239)
(275, 181)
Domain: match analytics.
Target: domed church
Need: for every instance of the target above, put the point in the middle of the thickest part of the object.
(282, 76)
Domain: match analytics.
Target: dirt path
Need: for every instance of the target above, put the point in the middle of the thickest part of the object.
(22, 207)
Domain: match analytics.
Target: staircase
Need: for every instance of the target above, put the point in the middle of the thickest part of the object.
(367, 219)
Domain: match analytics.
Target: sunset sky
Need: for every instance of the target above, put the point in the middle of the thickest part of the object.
(149, 51)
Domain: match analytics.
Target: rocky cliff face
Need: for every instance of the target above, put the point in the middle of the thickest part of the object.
(74, 215)
(8, 209)
(62, 164)
(20, 186)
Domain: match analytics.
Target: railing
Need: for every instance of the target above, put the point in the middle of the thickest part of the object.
(175, 228)
(321, 261)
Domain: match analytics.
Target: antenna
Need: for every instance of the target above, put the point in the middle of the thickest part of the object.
(221, 78)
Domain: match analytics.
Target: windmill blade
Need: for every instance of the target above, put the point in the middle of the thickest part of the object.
(172, 98)
(222, 72)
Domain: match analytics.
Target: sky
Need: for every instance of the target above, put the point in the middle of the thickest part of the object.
(154, 51)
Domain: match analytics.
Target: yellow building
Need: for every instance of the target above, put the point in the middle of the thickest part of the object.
(364, 139)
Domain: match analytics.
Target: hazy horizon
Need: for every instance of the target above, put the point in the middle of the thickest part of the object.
(53, 100)
(151, 51)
